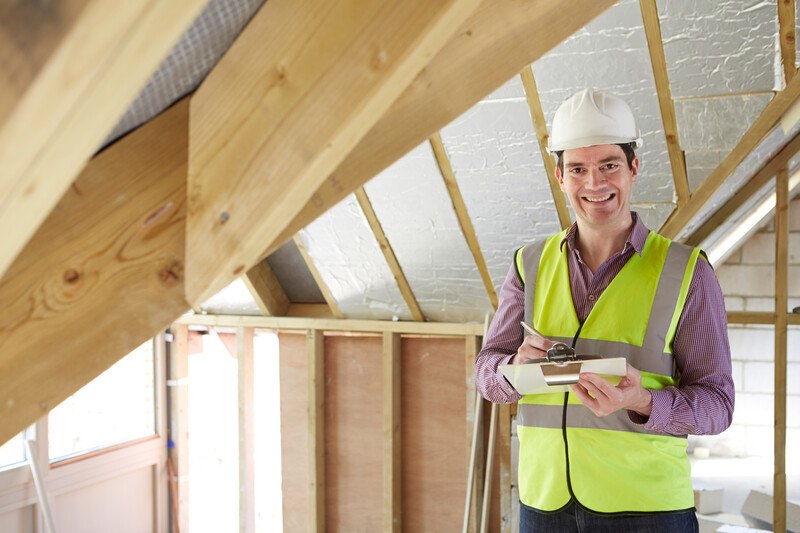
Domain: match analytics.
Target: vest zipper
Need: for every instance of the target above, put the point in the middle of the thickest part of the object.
(564, 424)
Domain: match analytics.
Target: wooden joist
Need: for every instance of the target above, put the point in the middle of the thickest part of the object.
(302, 84)
(56, 116)
(753, 185)
(245, 365)
(752, 137)
(315, 273)
(392, 471)
(464, 220)
(655, 44)
(266, 290)
(388, 254)
(316, 431)
(330, 324)
(116, 236)
(540, 127)
(786, 30)
(781, 309)
(495, 44)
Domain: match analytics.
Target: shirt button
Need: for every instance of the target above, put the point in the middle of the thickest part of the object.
(591, 297)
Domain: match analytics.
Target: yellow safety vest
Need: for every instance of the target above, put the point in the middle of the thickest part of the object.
(608, 464)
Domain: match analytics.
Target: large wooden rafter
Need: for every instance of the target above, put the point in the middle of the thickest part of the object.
(388, 254)
(540, 126)
(770, 116)
(495, 44)
(302, 84)
(460, 207)
(655, 44)
(116, 236)
(50, 126)
(128, 208)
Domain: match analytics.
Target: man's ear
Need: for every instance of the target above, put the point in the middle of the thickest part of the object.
(634, 169)
(560, 178)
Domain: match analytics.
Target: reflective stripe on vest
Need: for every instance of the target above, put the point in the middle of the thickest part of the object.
(613, 464)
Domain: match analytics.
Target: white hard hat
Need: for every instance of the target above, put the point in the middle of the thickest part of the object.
(592, 117)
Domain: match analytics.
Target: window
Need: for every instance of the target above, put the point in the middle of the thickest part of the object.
(13, 452)
(116, 407)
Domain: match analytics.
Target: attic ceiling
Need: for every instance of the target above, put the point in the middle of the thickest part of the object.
(724, 66)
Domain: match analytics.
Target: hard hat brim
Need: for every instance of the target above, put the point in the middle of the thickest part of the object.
(591, 141)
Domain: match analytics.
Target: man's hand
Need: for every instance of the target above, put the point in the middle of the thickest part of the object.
(532, 347)
(603, 398)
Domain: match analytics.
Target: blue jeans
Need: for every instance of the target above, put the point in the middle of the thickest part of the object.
(574, 518)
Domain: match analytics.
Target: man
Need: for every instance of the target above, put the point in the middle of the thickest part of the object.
(604, 457)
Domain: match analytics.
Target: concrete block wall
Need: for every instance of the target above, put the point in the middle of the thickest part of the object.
(748, 283)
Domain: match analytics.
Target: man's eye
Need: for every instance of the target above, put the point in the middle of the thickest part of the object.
(612, 166)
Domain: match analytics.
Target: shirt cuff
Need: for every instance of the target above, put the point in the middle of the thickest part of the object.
(507, 387)
(659, 412)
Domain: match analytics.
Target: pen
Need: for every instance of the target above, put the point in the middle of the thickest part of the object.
(530, 329)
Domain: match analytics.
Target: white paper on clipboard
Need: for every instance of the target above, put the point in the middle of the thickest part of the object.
(534, 378)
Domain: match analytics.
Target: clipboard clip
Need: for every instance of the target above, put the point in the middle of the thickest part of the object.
(560, 353)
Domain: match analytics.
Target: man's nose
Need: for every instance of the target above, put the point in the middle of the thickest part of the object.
(594, 177)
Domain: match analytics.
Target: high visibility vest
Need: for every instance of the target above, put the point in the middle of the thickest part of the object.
(608, 464)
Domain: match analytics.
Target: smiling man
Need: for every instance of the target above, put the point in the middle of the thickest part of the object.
(606, 457)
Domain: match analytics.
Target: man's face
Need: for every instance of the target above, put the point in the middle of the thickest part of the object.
(598, 183)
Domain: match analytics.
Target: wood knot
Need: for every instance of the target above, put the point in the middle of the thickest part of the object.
(172, 274)
(71, 276)
(239, 270)
(469, 33)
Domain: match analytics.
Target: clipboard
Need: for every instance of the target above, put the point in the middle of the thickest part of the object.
(544, 377)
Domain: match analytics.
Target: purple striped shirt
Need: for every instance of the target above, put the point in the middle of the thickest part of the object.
(701, 405)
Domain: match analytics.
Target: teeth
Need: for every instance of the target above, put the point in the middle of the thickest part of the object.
(597, 198)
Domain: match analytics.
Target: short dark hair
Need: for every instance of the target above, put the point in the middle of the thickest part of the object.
(627, 149)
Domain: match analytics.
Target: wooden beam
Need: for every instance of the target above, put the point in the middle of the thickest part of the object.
(388, 253)
(392, 471)
(781, 310)
(460, 207)
(750, 317)
(310, 311)
(62, 115)
(302, 84)
(786, 30)
(316, 431)
(323, 287)
(328, 324)
(540, 127)
(116, 235)
(178, 384)
(752, 137)
(655, 44)
(246, 393)
(753, 185)
(266, 290)
(497, 41)
(504, 458)
(474, 436)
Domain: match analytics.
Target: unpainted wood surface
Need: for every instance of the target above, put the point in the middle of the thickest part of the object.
(101, 276)
(294, 431)
(433, 434)
(302, 84)
(93, 74)
(492, 46)
(354, 434)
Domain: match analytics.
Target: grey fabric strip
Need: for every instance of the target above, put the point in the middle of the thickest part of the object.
(531, 255)
(579, 416)
(667, 292)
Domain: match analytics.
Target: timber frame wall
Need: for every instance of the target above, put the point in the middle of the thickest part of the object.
(376, 421)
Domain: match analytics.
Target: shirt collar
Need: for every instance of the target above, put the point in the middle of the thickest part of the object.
(636, 239)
